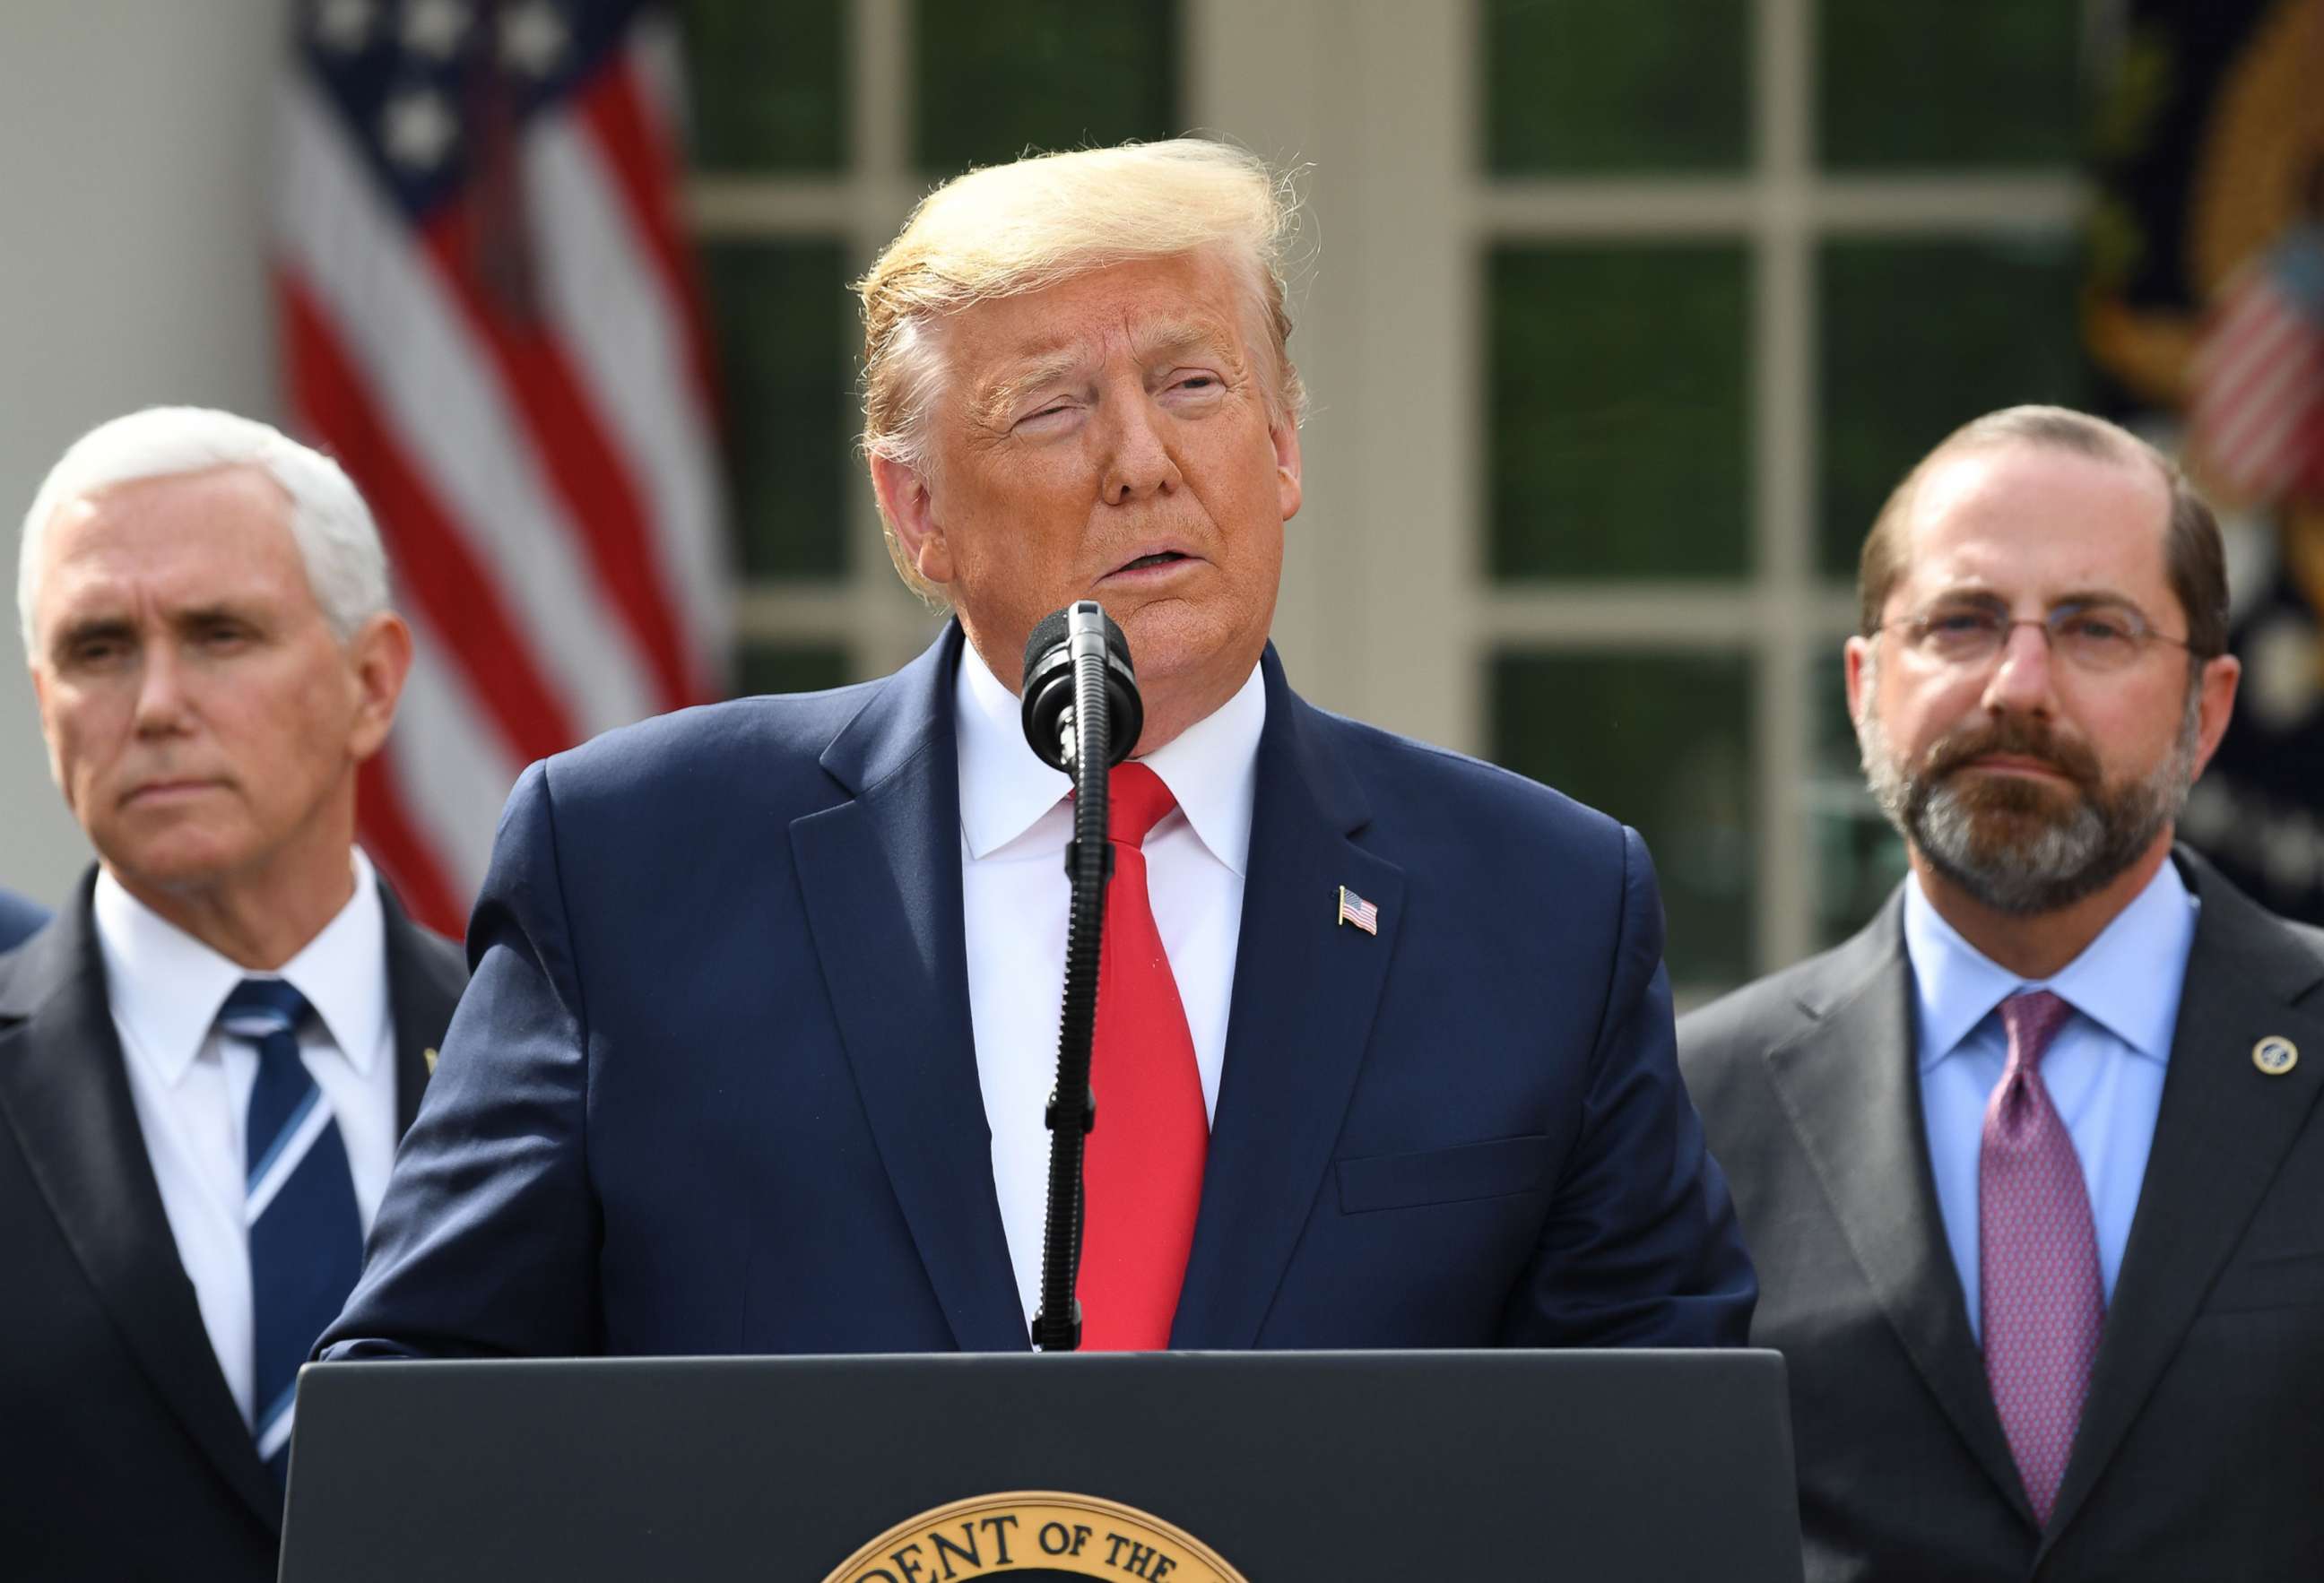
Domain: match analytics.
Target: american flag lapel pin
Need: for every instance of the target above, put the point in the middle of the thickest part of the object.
(1354, 910)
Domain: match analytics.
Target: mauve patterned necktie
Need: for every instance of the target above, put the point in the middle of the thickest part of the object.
(2038, 1257)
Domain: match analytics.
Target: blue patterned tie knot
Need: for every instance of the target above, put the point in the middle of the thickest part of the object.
(261, 1008)
(267, 1012)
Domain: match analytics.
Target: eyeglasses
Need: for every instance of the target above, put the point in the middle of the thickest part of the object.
(2095, 635)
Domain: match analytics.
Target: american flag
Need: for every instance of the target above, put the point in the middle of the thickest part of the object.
(490, 316)
(2258, 408)
(1354, 910)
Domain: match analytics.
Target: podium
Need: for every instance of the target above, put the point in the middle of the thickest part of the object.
(1193, 1467)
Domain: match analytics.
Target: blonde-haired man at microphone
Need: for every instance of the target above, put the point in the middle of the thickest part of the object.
(765, 1002)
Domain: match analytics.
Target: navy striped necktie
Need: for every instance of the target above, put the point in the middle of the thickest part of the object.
(298, 1207)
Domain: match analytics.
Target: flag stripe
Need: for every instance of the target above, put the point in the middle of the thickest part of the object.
(598, 494)
(639, 153)
(2257, 407)
(432, 390)
(491, 312)
(2253, 431)
(431, 556)
(398, 850)
(2244, 350)
(605, 302)
(452, 773)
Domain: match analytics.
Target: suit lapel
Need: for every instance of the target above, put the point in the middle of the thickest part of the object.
(64, 1093)
(424, 980)
(881, 874)
(2221, 1133)
(1305, 991)
(1848, 1086)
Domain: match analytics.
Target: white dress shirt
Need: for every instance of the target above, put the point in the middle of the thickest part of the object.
(1014, 824)
(192, 1087)
(2104, 1069)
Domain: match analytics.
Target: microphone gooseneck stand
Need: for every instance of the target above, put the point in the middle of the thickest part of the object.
(1080, 698)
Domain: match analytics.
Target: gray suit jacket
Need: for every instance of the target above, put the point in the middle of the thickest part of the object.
(2201, 1449)
(20, 919)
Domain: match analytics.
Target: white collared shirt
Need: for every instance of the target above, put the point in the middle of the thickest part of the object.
(2104, 1069)
(192, 1087)
(1014, 824)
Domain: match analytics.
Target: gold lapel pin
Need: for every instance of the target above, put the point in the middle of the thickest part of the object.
(429, 1055)
(2275, 1055)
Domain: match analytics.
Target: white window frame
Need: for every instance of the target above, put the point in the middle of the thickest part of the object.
(1388, 609)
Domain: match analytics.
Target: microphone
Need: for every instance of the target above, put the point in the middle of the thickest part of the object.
(1081, 629)
(1081, 715)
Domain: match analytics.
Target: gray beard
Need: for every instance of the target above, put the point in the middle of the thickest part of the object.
(1982, 845)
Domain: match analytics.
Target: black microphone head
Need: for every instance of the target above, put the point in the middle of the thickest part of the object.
(1047, 692)
(1050, 634)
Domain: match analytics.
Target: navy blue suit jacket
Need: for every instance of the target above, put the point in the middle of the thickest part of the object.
(713, 1088)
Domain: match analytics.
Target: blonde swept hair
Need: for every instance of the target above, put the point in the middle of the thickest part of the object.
(1007, 230)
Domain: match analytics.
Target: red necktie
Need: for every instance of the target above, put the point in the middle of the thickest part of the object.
(2044, 1305)
(1144, 1169)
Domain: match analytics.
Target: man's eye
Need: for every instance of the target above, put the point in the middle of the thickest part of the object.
(2097, 628)
(1961, 623)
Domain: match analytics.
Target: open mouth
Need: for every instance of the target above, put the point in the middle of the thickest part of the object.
(1148, 562)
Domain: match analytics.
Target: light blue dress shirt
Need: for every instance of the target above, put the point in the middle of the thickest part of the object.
(2104, 1069)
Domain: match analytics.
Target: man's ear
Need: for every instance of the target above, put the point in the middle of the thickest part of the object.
(2216, 686)
(1286, 437)
(910, 510)
(379, 660)
(1856, 666)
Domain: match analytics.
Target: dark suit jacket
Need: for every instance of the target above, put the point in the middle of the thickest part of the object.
(121, 1453)
(2201, 1454)
(18, 919)
(713, 1087)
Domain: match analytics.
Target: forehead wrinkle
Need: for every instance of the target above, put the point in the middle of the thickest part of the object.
(1178, 337)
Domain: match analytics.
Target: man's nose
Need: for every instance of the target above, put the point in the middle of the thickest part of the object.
(1138, 461)
(162, 702)
(2022, 675)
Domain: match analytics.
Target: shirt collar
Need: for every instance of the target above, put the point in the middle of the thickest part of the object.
(1212, 767)
(2128, 980)
(167, 987)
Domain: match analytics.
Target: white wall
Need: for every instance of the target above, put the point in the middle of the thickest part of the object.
(132, 192)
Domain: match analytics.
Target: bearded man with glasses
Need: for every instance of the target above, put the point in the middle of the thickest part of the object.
(2032, 1166)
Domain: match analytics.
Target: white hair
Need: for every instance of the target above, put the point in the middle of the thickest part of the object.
(338, 540)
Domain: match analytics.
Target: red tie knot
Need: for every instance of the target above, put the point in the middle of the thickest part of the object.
(2032, 1019)
(1136, 802)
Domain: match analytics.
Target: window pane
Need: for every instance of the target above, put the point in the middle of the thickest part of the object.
(1617, 391)
(1662, 743)
(1595, 87)
(768, 668)
(1858, 858)
(1917, 338)
(1949, 82)
(1041, 74)
(786, 333)
(767, 84)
